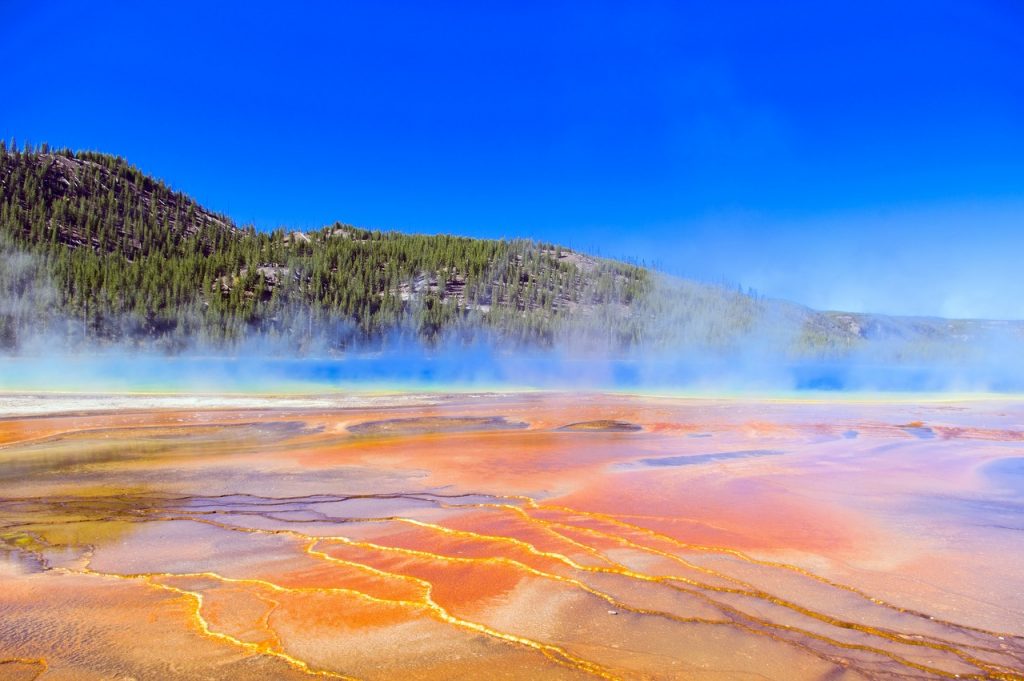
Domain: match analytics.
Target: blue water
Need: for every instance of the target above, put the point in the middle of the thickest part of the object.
(698, 459)
(1008, 473)
(920, 432)
(478, 369)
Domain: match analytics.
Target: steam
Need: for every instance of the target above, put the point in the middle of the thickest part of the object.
(25, 292)
(679, 336)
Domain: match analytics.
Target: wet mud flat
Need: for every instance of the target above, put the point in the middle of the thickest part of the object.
(518, 536)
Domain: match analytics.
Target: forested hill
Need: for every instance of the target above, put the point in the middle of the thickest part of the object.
(95, 252)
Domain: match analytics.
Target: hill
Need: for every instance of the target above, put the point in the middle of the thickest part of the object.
(98, 252)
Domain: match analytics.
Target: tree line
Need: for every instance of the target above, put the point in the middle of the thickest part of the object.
(97, 251)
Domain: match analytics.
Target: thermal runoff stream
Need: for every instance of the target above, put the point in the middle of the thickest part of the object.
(533, 535)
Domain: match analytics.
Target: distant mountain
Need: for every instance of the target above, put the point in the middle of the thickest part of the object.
(95, 251)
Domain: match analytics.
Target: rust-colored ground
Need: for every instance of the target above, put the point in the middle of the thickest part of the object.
(483, 538)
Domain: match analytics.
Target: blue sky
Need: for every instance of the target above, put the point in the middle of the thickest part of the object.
(862, 155)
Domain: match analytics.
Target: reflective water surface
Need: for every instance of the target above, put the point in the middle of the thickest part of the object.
(525, 536)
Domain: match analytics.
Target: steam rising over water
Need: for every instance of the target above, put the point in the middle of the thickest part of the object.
(486, 368)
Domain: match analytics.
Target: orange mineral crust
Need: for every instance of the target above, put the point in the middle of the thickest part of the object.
(527, 536)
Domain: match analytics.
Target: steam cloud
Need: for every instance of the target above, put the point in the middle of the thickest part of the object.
(693, 337)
